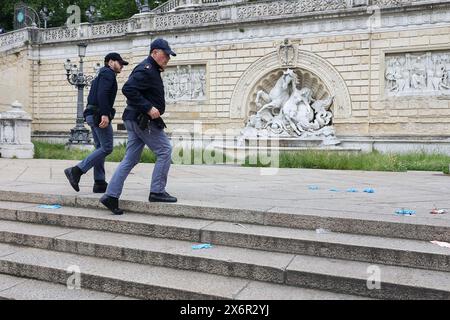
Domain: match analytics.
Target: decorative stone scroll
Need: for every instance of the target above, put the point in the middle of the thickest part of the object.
(185, 82)
(287, 53)
(419, 73)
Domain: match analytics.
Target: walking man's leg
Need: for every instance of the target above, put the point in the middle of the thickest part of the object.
(103, 139)
(132, 157)
(157, 140)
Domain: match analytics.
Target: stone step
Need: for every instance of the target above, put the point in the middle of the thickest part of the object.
(17, 288)
(377, 225)
(293, 270)
(380, 250)
(142, 281)
(355, 277)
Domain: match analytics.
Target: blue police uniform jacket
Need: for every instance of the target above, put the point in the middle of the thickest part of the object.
(144, 90)
(103, 92)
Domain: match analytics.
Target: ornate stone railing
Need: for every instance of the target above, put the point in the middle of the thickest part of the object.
(214, 12)
(173, 4)
(166, 7)
(13, 39)
(277, 8)
(85, 31)
(392, 3)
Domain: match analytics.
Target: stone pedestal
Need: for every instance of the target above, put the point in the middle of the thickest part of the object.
(15, 133)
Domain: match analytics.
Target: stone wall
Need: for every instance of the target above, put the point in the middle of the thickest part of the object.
(344, 43)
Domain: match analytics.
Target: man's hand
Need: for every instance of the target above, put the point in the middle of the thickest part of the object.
(154, 113)
(104, 123)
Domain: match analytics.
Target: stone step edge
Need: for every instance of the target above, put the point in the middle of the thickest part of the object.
(214, 265)
(410, 230)
(98, 282)
(252, 241)
(5, 293)
(307, 280)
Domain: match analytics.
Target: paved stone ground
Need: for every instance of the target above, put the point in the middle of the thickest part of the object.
(283, 190)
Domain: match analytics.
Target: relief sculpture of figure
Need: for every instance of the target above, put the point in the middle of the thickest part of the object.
(418, 74)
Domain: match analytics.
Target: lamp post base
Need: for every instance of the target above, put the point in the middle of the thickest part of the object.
(80, 147)
(79, 136)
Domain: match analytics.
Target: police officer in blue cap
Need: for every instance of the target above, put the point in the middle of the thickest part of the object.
(98, 115)
(145, 127)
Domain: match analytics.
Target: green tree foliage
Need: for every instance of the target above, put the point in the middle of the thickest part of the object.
(110, 10)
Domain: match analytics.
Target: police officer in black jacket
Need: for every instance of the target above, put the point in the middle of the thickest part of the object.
(142, 118)
(98, 115)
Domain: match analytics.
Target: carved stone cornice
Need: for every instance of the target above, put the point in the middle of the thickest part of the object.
(240, 14)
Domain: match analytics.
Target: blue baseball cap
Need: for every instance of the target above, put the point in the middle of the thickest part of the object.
(163, 45)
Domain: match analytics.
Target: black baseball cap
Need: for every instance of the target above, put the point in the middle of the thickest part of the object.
(163, 45)
(115, 57)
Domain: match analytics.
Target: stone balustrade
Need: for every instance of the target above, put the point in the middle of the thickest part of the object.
(197, 14)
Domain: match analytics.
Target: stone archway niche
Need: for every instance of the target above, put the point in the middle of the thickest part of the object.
(295, 98)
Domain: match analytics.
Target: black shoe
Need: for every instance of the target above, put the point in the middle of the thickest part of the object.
(74, 174)
(112, 204)
(100, 186)
(161, 197)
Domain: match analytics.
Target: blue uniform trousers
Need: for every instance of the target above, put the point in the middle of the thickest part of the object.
(104, 142)
(156, 139)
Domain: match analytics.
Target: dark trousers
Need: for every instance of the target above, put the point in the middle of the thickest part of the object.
(104, 141)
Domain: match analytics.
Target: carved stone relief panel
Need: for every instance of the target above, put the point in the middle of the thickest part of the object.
(7, 134)
(185, 82)
(417, 73)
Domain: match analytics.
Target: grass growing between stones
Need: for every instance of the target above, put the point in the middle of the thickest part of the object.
(45, 150)
(373, 161)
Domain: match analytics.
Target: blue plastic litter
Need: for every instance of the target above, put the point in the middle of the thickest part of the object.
(369, 190)
(313, 188)
(49, 206)
(405, 212)
(334, 190)
(202, 246)
(352, 190)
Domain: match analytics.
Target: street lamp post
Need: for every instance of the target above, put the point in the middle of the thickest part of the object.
(79, 135)
(142, 7)
(46, 15)
(93, 14)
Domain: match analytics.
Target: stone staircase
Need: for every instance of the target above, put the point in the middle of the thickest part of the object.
(147, 253)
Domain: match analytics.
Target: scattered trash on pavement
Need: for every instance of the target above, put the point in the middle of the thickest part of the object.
(405, 212)
(441, 244)
(352, 190)
(49, 206)
(202, 246)
(313, 187)
(369, 190)
(438, 211)
(322, 231)
(240, 225)
(334, 190)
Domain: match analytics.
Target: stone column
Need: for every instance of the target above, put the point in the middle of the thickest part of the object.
(15, 133)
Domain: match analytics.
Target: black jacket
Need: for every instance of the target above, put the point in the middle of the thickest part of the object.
(103, 91)
(144, 90)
